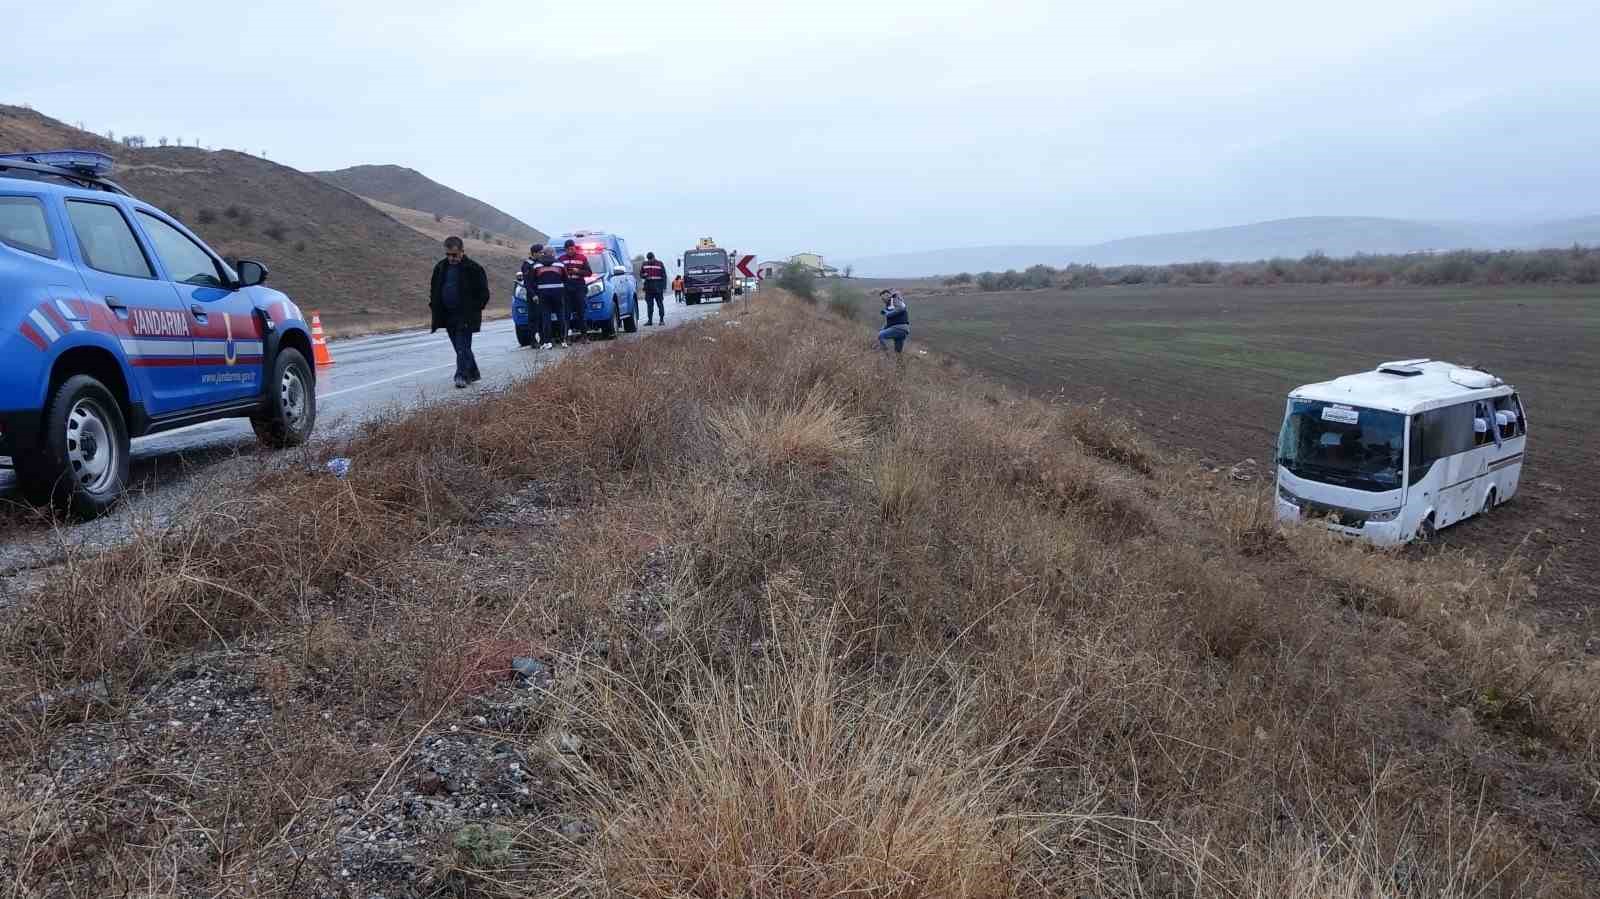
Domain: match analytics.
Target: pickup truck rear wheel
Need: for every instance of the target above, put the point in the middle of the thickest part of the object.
(82, 466)
(290, 408)
(608, 329)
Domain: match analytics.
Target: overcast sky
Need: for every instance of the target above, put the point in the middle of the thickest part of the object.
(856, 128)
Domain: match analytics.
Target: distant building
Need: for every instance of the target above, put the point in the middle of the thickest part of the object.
(812, 261)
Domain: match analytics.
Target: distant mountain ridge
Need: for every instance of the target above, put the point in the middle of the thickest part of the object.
(400, 186)
(1293, 238)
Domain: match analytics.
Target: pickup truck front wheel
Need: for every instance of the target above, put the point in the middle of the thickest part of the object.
(290, 408)
(81, 467)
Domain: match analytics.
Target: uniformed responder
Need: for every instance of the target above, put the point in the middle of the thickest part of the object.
(540, 325)
(677, 289)
(578, 271)
(550, 286)
(654, 273)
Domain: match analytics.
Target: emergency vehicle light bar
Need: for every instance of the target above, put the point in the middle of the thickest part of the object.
(82, 167)
(83, 162)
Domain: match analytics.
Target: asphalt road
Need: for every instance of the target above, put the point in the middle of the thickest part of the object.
(370, 377)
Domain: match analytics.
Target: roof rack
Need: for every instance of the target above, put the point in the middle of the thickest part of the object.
(84, 168)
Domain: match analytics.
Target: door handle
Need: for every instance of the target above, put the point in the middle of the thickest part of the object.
(115, 304)
(198, 310)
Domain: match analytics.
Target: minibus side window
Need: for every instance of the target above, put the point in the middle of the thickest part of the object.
(1508, 417)
(1447, 431)
(1480, 412)
(1420, 460)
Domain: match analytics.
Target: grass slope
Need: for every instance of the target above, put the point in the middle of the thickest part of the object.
(805, 622)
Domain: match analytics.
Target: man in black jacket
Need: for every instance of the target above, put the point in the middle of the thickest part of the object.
(457, 298)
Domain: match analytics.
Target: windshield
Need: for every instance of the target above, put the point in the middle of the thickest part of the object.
(1345, 445)
(597, 262)
(704, 263)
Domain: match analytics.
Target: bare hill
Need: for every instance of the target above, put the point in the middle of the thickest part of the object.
(409, 188)
(326, 247)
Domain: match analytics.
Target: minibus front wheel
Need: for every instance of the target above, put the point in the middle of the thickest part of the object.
(1427, 534)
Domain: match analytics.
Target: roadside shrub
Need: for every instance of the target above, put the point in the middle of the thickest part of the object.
(1038, 276)
(299, 246)
(275, 231)
(1577, 264)
(847, 302)
(205, 216)
(799, 280)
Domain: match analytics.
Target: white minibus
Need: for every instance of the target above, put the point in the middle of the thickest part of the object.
(1401, 451)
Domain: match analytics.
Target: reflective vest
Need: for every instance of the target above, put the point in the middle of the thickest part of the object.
(549, 278)
(576, 265)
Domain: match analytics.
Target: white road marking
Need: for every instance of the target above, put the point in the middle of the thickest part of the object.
(409, 374)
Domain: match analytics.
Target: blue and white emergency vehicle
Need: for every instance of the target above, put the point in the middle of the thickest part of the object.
(613, 298)
(116, 321)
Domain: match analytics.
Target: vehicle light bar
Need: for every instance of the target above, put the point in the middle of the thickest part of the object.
(85, 162)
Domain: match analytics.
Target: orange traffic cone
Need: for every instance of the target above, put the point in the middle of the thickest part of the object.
(319, 343)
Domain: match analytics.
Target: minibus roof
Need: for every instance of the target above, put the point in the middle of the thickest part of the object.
(1407, 387)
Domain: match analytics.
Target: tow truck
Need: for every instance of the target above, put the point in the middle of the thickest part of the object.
(707, 273)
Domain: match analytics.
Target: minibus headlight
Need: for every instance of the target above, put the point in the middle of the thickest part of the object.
(1288, 497)
(1385, 515)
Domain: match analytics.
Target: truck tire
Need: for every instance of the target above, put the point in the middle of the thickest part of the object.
(290, 408)
(81, 465)
(608, 329)
(630, 324)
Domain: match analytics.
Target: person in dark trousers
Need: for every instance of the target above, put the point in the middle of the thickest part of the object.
(677, 289)
(654, 273)
(578, 271)
(550, 286)
(457, 297)
(896, 320)
(541, 325)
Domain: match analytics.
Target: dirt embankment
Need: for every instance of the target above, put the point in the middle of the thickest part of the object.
(751, 610)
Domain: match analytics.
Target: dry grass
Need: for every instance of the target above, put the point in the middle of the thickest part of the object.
(825, 626)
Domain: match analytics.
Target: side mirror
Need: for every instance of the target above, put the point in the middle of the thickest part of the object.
(251, 273)
(619, 270)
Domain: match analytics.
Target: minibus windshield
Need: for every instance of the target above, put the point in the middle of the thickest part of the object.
(1345, 445)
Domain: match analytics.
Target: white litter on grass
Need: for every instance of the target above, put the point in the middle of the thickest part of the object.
(712, 339)
(922, 352)
(340, 466)
(729, 324)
